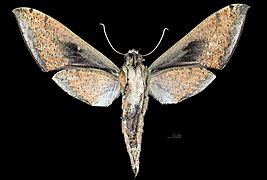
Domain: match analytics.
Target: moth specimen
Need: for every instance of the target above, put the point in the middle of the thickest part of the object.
(88, 75)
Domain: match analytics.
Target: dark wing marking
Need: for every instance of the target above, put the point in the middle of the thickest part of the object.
(210, 44)
(54, 46)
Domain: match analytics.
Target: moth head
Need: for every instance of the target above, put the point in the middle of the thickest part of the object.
(133, 58)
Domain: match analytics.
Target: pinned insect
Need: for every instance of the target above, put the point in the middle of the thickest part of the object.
(88, 75)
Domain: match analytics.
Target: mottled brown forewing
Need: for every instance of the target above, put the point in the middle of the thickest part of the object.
(93, 86)
(54, 46)
(210, 44)
(89, 76)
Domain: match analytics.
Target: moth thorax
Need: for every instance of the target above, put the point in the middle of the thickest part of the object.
(133, 58)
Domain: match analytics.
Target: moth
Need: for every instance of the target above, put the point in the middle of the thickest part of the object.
(86, 74)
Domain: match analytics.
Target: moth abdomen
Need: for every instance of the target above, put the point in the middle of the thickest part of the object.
(88, 75)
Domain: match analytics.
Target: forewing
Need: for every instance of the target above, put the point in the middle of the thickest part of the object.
(54, 46)
(173, 85)
(210, 44)
(93, 86)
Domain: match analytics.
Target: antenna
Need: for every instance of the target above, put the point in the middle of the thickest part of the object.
(158, 42)
(108, 39)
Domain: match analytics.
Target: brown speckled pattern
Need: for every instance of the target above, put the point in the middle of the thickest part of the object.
(46, 39)
(45, 33)
(175, 84)
(93, 86)
(219, 34)
(89, 76)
